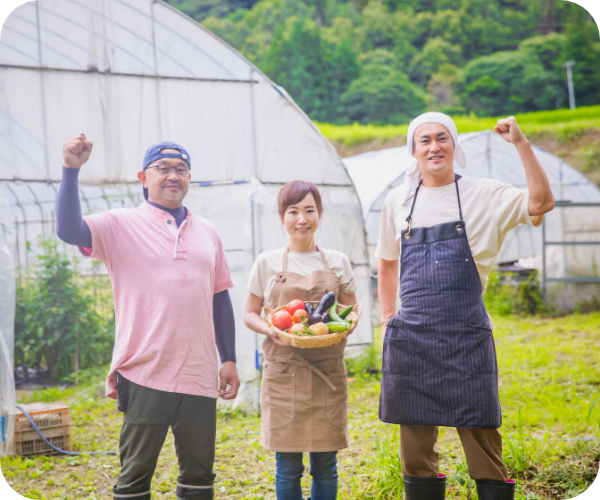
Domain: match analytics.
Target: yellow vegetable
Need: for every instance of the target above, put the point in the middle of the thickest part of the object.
(320, 329)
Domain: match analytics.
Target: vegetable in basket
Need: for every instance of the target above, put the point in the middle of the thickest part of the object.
(326, 301)
(315, 318)
(320, 329)
(294, 305)
(338, 326)
(282, 320)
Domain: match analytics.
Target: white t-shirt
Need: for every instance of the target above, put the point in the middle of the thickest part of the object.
(268, 264)
(490, 209)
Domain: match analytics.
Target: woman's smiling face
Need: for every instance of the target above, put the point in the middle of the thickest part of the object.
(434, 148)
(301, 220)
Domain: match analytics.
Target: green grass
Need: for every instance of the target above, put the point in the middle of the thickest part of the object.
(563, 122)
(548, 383)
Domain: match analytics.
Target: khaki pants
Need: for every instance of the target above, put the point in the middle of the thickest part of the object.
(483, 449)
(146, 421)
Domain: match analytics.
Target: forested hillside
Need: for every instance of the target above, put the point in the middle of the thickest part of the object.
(384, 61)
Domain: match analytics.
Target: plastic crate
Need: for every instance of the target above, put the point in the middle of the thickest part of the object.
(53, 421)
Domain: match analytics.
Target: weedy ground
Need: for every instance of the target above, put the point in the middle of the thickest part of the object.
(549, 378)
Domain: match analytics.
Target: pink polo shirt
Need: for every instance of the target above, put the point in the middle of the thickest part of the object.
(163, 280)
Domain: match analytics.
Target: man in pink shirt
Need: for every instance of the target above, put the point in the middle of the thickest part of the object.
(170, 279)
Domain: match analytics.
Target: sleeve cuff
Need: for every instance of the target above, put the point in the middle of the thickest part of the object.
(386, 256)
(222, 287)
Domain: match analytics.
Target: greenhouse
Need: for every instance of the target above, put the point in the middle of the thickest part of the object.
(131, 73)
(375, 174)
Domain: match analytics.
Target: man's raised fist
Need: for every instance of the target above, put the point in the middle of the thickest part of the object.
(76, 151)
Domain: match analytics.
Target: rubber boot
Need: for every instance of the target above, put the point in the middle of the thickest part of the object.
(496, 490)
(425, 488)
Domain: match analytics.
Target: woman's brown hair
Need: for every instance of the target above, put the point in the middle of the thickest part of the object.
(294, 192)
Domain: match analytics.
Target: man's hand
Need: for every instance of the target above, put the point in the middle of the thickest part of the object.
(509, 130)
(230, 383)
(76, 151)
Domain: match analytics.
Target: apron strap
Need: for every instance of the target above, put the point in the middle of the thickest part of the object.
(323, 258)
(285, 259)
(456, 177)
(314, 369)
(285, 256)
(409, 218)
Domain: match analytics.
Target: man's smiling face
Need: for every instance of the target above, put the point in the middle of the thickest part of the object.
(166, 189)
(434, 148)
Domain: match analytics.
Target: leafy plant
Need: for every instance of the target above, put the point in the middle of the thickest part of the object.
(524, 300)
(57, 322)
(519, 454)
(388, 481)
(365, 366)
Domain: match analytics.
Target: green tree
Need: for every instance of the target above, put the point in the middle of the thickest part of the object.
(314, 72)
(436, 52)
(583, 47)
(382, 93)
(509, 82)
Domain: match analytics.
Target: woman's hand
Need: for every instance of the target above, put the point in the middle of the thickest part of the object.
(274, 336)
(253, 320)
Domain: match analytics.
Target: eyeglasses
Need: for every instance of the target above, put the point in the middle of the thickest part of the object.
(163, 168)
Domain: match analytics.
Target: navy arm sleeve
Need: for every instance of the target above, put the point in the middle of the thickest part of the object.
(70, 226)
(224, 326)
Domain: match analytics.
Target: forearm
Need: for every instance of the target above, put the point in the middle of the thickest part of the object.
(70, 226)
(224, 322)
(387, 287)
(541, 199)
(256, 323)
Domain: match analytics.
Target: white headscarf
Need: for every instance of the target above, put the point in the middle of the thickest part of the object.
(412, 176)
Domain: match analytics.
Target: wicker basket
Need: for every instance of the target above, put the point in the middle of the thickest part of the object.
(318, 340)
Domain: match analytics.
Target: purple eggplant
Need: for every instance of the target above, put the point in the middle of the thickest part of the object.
(326, 302)
(315, 318)
(327, 318)
(309, 308)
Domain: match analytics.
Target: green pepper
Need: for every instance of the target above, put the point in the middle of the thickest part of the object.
(338, 326)
(346, 311)
(333, 313)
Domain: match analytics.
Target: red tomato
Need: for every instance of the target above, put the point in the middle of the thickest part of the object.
(294, 305)
(282, 320)
(299, 316)
(297, 328)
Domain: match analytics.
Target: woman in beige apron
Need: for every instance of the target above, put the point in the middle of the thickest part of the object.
(304, 392)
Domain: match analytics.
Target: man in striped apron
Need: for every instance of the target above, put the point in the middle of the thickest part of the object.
(444, 231)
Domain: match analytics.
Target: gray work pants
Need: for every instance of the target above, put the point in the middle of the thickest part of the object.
(146, 421)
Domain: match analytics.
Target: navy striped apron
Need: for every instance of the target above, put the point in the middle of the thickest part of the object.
(439, 357)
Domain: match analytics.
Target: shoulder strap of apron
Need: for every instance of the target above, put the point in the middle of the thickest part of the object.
(409, 218)
(285, 256)
(323, 258)
(285, 259)
(456, 177)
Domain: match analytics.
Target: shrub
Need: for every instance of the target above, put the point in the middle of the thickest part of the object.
(58, 323)
(503, 300)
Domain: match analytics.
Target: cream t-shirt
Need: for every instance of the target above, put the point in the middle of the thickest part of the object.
(268, 264)
(490, 209)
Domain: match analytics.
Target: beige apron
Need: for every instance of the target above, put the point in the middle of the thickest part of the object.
(304, 391)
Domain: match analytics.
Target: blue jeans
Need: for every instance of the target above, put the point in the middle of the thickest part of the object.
(323, 469)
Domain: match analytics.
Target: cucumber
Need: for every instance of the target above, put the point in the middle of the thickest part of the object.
(338, 326)
(345, 312)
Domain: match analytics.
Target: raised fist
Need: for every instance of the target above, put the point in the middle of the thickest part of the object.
(76, 151)
(509, 130)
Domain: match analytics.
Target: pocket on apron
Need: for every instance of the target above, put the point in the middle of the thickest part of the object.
(454, 275)
(482, 350)
(337, 401)
(278, 398)
(396, 355)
